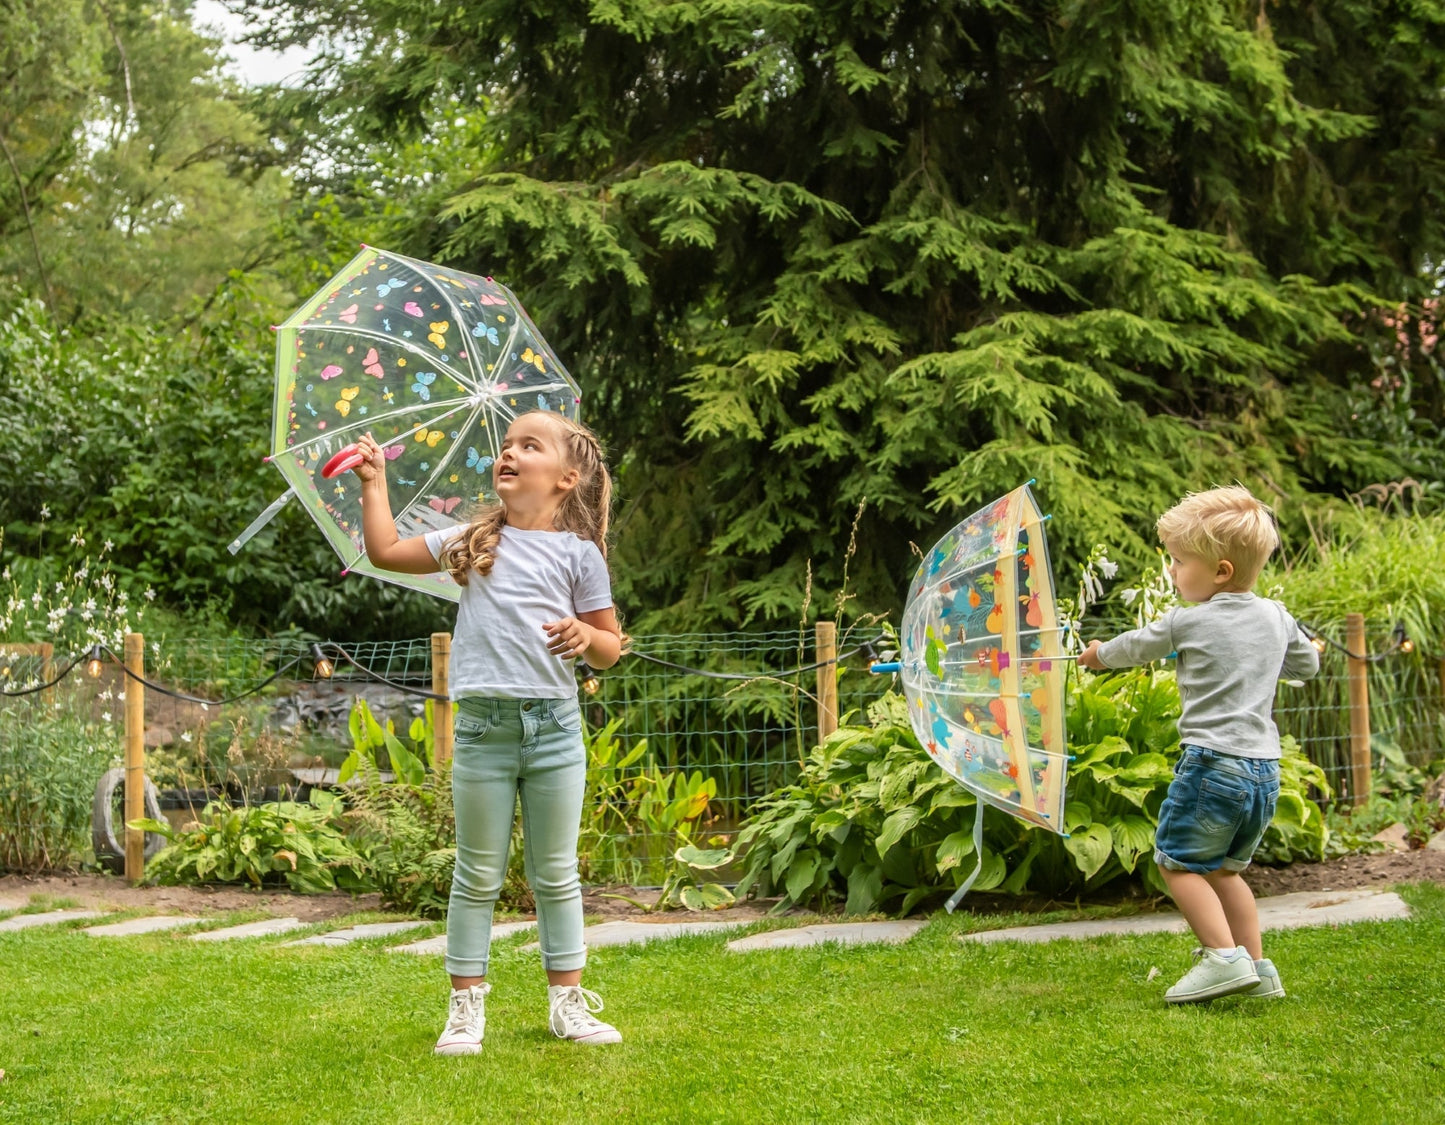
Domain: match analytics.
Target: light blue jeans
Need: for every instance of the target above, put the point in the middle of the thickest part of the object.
(505, 748)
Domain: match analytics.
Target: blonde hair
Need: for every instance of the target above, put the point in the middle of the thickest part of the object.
(585, 511)
(1222, 523)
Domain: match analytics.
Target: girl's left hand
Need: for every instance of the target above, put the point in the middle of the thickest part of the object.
(568, 637)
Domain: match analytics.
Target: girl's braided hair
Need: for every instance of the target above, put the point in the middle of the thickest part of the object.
(585, 511)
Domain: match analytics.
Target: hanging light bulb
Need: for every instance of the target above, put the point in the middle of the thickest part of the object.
(1407, 645)
(93, 664)
(324, 667)
(1319, 643)
(591, 682)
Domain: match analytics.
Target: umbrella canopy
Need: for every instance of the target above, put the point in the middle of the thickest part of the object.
(982, 664)
(435, 363)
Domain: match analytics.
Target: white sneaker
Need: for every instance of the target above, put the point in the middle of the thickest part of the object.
(572, 1017)
(1269, 987)
(1214, 975)
(466, 1022)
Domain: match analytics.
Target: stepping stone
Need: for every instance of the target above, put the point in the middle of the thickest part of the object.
(635, 933)
(142, 926)
(264, 928)
(27, 921)
(438, 944)
(358, 933)
(844, 933)
(1282, 912)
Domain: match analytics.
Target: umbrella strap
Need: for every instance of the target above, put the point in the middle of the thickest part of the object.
(957, 897)
(261, 521)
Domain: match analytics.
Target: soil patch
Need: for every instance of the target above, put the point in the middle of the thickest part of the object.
(1348, 872)
(611, 903)
(102, 891)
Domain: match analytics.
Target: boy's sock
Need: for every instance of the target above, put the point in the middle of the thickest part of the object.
(1229, 953)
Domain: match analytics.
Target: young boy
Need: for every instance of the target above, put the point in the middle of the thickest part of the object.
(1232, 647)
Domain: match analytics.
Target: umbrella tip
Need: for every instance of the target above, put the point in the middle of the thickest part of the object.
(266, 460)
(345, 570)
(275, 328)
(1032, 480)
(364, 246)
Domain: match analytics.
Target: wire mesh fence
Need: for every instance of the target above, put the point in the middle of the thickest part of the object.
(746, 734)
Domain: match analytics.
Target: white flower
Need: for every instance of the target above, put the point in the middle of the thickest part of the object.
(5, 574)
(45, 511)
(82, 574)
(205, 706)
(60, 587)
(185, 736)
(108, 546)
(1107, 567)
(107, 581)
(35, 598)
(78, 539)
(105, 716)
(120, 695)
(150, 595)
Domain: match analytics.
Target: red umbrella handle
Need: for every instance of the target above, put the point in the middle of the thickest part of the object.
(345, 459)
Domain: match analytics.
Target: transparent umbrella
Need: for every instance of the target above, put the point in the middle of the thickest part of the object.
(435, 363)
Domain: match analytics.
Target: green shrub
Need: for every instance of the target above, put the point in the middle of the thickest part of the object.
(873, 823)
(50, 761)
(300, 844)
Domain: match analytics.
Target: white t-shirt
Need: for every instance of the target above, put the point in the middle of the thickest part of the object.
(499, 647)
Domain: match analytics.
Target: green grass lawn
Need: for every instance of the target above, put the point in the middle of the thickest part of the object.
(161, 1029)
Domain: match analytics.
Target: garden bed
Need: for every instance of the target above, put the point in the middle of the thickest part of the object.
(1340, 874)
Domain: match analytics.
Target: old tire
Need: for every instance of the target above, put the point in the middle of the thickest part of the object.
(110, 848)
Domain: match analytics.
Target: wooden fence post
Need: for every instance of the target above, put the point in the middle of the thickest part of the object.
(825, 652)
(441, 659)
(1359, 685)
(135, 756)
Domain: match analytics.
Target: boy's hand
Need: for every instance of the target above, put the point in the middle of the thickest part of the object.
(568, 637)
(374, 464)
(1089, 658)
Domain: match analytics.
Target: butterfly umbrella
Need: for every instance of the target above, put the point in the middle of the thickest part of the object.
(982, 666)
(435, 363)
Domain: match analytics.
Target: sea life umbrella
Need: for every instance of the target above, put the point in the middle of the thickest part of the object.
(982, 665)
(435, 363)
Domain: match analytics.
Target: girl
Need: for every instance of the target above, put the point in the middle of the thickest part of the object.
(535, 594)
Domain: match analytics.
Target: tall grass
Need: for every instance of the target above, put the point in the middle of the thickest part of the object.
(50, 760)
(1388, 564)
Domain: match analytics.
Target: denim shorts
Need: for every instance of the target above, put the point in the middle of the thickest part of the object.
(1216, 811)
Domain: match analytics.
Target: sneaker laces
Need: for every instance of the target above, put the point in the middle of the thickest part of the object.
(578, 1004)
(464, 1008)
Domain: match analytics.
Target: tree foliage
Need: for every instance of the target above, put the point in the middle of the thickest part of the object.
(804, 253)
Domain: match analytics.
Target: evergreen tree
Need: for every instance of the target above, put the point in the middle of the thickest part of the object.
(805, 253)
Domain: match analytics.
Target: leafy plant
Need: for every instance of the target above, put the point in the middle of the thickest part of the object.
(50, 760)
(300, 844)
(369, 739)
(872, 822)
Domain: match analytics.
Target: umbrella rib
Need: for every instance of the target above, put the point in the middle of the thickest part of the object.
(414, 502)
(441, 465)
(359, 425)
(399, 341)
(461, 328)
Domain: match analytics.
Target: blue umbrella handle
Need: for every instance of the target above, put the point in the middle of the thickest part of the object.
(886, 668)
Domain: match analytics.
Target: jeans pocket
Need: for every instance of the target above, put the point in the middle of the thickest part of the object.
(568, 717)
(1220, 805)
(470, 728)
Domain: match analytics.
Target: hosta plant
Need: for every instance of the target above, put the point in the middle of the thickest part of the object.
(873, 824)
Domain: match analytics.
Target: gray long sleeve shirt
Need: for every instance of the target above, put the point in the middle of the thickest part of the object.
(1232, 650)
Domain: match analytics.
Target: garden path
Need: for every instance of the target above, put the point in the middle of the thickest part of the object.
(1310, 908)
